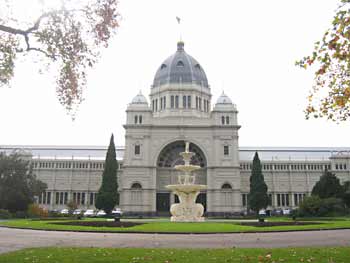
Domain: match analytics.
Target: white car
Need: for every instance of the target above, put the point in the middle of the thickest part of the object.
(89, 212)
(117, 211)
(286, 211)
(64, 212)
(77, 212)
(262, 212)
(101, 213)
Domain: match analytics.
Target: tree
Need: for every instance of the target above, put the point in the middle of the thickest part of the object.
(328, 186)
(257, 197)
(346, 193)
(330, 95)
(18, 184)
(107, 196)
(65, 36)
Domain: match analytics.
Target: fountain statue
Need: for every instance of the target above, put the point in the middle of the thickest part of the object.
(187, 191)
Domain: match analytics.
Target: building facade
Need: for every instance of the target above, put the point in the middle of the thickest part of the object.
(181, 110)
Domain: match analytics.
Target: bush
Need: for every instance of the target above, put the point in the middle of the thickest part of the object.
(20, 214)
(35, 211)
(315, 206)
(4, 214)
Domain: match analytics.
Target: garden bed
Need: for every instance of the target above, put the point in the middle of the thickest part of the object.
(280, 223)
(99, 223)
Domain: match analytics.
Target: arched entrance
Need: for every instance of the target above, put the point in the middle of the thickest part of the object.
(166, 173)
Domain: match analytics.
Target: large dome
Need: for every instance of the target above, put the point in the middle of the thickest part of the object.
(180, 68)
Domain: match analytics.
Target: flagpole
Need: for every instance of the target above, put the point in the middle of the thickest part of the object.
(178, 19)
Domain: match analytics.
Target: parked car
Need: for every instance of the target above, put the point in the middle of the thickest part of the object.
(77, 212)
(90, 213)
(287, 211)
(262, 212)
(64, 212)
(117, 211)
(101, 213)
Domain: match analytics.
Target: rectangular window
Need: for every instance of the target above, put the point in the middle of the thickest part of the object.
(82, 198)
(244, 199)
(287, 199)
(184, 104)
(57, 198)
(189, 102)
(135, 119)
(226, 150)
(176, 102)
(61, 198)
(65, 198)
(270, 199)
(137, 149)
(278, 200)
(164, 102)
(48, 200)
(161, 103)
(200, 103)
(156, 104)
(296, 200)
(196, 102)
(91, 198)
(78, 198)
(172, 101)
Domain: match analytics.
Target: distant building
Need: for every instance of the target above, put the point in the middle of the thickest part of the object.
(181, 110)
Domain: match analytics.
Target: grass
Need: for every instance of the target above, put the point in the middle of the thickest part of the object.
(170, 227)
(136, 255)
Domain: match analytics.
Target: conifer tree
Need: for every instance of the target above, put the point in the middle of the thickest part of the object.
(328, 186)
(107, 196)
(257, 198)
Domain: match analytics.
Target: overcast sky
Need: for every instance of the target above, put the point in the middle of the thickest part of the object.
(247, 48)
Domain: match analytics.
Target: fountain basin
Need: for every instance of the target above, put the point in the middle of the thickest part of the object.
(187, 168)
(186, 188)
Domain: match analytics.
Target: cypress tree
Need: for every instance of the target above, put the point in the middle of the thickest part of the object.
(107, 196)
(257, 197)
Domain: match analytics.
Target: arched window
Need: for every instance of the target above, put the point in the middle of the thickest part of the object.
(135, 119)
(197, 66)
(180, 64)
(227, 120)
(226, 186)
(222, 120)
(170, 155)
(136, 186)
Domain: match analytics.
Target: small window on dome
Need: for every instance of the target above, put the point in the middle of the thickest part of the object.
(162, 66)
(197, 66)
(180, 64)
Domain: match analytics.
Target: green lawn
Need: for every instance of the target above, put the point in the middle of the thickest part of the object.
(135, 255)
(161, 226)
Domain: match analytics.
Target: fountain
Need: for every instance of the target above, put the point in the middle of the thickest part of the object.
(187, 191)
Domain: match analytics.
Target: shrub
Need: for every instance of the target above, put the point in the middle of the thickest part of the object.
(20, 214)
(35, 210)
(315, 206)
(4, 214)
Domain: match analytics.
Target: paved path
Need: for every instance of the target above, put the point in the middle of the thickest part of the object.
(14, 239)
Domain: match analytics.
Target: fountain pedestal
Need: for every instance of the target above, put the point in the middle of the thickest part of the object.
(187, 191)
(187, 210)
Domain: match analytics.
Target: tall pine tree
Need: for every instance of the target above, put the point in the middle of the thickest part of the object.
(107, 196)
(257, 198)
